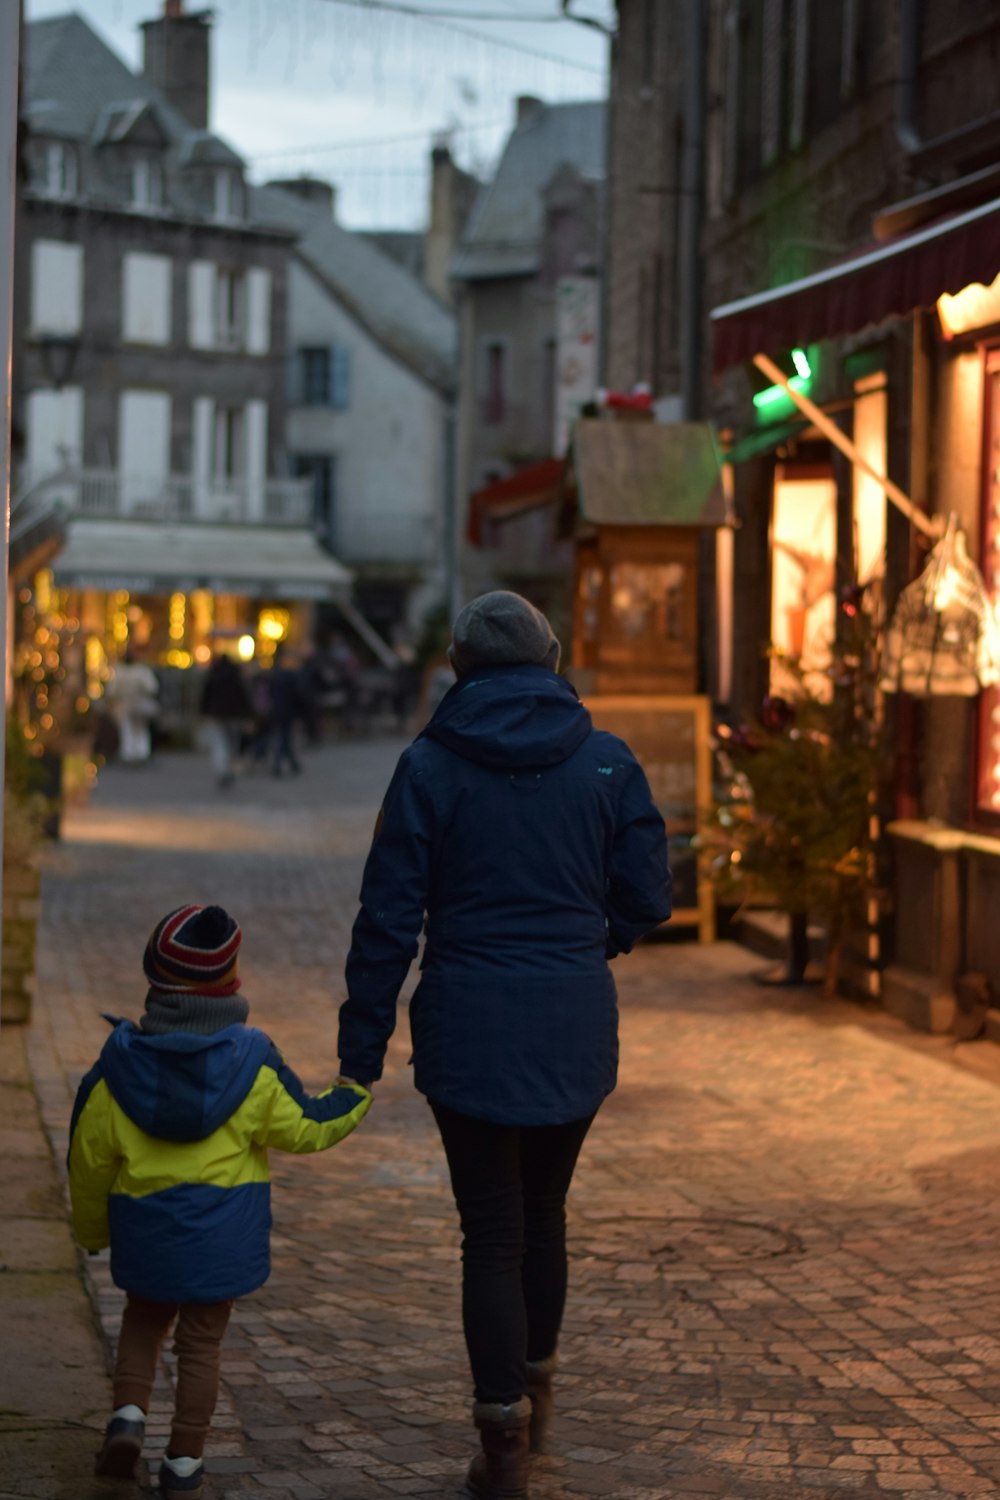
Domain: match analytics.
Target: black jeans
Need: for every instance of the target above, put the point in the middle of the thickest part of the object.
(510, 1184)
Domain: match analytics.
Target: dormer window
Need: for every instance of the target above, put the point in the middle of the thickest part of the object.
(147, 185)
(57, 171)
(228, 200)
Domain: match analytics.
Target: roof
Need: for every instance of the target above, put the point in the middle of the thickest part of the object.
(504, 233)
(888, 281)
(393, 306)
(77, 88)
(278, 562)
(645, 474)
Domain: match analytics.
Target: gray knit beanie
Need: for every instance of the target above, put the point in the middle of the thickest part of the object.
(502, 629)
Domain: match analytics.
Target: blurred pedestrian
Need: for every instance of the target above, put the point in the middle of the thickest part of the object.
(286, 706)
(316, 680)
(168, 1164)
(131, 694)
(225, 704)
(530, 842)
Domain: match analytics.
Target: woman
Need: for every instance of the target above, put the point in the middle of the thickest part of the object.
(531, 842)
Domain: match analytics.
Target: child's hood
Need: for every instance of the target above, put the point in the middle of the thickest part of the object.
(182, 1087)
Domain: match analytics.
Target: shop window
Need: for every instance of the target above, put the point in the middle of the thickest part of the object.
(803, 576)
(869, 503)
(988, 778)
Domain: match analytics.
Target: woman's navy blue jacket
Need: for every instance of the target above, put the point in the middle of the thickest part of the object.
(530, 841)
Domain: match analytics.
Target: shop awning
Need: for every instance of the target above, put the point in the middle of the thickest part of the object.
(272, 562)
(530, 488)
(889, 281)
(645, 474)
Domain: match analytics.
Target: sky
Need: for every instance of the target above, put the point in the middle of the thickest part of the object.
(358, 96)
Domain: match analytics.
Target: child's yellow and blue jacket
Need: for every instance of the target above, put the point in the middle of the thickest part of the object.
(168, 1156)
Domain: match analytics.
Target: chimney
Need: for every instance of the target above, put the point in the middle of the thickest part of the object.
(175, 59)
(313, 190)
(528, 105)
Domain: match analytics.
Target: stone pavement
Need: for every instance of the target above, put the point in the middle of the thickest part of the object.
(784, 1226)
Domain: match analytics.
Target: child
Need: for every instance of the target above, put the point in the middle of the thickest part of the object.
(168, 1164)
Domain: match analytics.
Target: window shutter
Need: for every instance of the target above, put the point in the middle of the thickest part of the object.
(146, 299)
(258, 311)
(340, 377)
(56, 287)
(255, 457)
(202, 449)
(54, 430)
(201, 297)
(143, 440)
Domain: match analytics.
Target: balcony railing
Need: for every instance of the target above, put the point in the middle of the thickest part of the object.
(106, 494)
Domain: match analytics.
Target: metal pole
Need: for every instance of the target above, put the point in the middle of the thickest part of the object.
(10, 26)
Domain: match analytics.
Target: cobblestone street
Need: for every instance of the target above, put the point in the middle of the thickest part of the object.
(784, 1226)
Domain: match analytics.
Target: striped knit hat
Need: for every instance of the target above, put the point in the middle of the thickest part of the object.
(194, 948)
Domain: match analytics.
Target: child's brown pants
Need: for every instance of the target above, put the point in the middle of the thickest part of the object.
(197, 1344)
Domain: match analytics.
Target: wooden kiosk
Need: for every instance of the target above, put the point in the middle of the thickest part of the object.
(645, 494)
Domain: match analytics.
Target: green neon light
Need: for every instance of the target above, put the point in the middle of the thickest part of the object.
(801, 363)
(775, 393)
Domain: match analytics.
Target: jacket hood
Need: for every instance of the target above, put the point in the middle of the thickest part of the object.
(182, 1087)
(511, 717)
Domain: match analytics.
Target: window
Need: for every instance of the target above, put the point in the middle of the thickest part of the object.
(826, 63)
(494, 375)
(988, 778)
(147, 185)
(229, 443)
(323, 377)
(146, 298)
(57, 173)
(56, 288)
(228, 196)
(230, 308)
(321, 468)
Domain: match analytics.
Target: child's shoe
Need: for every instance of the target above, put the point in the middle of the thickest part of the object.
(123, 1438)
(181, 1478)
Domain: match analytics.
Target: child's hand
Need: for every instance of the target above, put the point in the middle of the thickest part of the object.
(342, 1078)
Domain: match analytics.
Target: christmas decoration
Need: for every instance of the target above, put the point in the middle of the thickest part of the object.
(794, 825)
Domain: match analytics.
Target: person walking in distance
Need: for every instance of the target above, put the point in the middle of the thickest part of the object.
(225, 704)
(168, 1163)
(530, 843)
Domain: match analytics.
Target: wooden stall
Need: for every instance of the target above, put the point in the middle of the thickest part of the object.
(645, 495)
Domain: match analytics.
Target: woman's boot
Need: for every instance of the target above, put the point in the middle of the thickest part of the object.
(500, 1471)
(540, 1373)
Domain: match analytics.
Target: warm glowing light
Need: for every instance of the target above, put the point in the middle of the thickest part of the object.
(975, 306)
(202, 654)
(246, 646)
(273, 624)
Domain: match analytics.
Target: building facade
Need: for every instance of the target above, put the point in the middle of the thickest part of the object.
(371, 371)
(534, 233)
(837, 167)
(149, 367)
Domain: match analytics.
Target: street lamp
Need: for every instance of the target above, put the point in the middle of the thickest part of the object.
(58, 352)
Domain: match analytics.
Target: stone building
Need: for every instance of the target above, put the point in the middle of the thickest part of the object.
(149, 368)
(534, 234)
(807, 253)
(371, 370)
